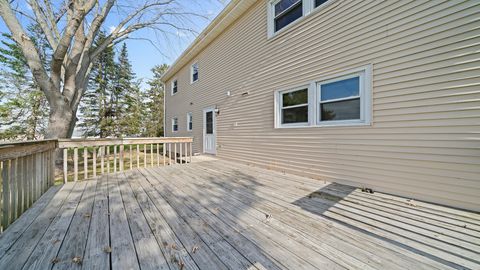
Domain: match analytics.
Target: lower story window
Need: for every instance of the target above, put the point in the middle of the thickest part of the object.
(336, 100)
(174, 124)
(340, 100)
(294, 107)
(189, 121)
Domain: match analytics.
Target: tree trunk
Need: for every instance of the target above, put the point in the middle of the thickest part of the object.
(61, 121)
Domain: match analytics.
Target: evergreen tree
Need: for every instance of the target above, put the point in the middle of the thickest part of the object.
(23, 108)
(154, 103)
(96, 109)
(127, 98)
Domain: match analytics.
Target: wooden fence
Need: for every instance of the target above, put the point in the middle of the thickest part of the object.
(27, 169)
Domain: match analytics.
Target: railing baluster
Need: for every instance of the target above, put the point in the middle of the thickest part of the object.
(94, 161)
(102, 158)
(42, 171)
(25, 183)
(20, 183)
(158, 155)
(75, 164)
(169, 153)
(85, 162)
(191, 151)
(175, 154)
(31, 193)
(6, 198)
(13, 185)
(52, 168)
(145, 155)
(65, 165)
(108, 158)
(131, 163)
(181, 153)
(27, 188)
(163, 152)
(151, 155)
(138, 156)
(114, 158)
(121, 157)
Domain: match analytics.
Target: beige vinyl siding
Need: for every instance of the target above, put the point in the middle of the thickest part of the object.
(424, 140)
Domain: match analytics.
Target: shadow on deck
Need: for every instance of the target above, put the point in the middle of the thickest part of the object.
(223, 215)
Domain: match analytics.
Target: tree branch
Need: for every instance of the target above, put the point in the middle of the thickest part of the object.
(29, 50)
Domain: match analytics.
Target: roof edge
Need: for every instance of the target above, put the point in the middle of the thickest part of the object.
(225, 18)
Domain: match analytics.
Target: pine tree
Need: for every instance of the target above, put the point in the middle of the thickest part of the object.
(24, 111)
(128, 99)
(96, 109)
(154, 103)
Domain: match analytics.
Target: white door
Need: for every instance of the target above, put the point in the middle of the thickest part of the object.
(209, 131)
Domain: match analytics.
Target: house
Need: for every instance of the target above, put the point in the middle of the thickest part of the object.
(377, 94)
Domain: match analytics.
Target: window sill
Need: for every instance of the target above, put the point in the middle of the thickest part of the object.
(329, 125)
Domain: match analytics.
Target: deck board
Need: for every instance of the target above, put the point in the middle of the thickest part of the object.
(217, 214)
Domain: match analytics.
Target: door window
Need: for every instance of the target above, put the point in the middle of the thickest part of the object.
(209, 122)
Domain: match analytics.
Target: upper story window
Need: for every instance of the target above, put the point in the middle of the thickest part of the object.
(194, 72)
(286, 12)
(174, 124)
(189, 121)
(282, 13)
(174, 87)
(342, 99)
(319, 2)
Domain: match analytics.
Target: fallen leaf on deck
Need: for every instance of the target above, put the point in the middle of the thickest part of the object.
(107, 249)
(194, 249)
(77, 260)
(55, 260)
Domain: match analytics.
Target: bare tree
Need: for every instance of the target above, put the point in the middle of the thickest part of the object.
(71, 29)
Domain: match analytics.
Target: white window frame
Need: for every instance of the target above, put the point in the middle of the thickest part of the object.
(171, 86)
(189, 119)
(191, 73)
(308, 6)
(175, 119)
(365, 92)
(279, 106)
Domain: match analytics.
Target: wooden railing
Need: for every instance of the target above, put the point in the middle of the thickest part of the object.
(84, 158)
(27, 169)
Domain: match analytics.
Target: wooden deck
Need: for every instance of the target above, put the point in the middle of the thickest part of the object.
(222, 215)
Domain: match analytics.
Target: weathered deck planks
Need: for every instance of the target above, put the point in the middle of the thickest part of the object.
(223, 215)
